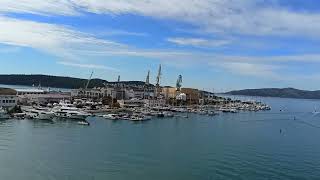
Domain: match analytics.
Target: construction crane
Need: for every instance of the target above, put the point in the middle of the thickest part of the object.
(118, 84)
(158, 81)
(159, 76)
(179, 83)
(87, 85)
(146, 85)
(148, 79)
(120, 87)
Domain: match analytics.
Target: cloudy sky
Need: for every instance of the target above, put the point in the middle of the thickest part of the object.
(220, 44)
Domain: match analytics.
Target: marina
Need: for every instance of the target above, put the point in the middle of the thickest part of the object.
(68, 111)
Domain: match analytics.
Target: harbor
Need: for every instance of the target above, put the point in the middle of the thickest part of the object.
(80, 110)
(68, 111)
(138, 101)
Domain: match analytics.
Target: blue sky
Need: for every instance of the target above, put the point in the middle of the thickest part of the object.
(214, 44)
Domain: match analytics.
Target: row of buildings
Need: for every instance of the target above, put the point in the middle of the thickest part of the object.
(147, 96)
(126, 95)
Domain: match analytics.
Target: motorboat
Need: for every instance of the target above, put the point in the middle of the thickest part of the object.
(167, 114)
(39, 113)
(111, 116)
(139, 117)
(212, 113)
(84, 123)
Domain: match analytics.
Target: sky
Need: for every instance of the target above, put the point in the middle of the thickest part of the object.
(216, 45)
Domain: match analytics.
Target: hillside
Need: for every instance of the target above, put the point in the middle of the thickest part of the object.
(57, 81)
(277, 92)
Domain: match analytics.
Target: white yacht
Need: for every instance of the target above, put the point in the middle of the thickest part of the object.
(39, 113)
(69, 112)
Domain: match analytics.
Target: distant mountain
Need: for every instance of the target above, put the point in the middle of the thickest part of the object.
(58, 81)
(277, 92)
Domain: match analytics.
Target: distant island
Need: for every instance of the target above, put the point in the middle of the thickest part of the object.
(58, 81)
(278, 92)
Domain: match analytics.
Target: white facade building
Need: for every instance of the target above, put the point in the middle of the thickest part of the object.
(8, 98)
(154, 102)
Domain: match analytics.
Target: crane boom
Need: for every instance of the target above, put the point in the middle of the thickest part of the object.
(159, 76)
(158, 82)
(87, 85)
(148, 79)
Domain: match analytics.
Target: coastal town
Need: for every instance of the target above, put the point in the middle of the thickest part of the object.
(117, 101)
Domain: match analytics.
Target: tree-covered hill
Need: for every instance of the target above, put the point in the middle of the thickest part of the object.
(57, 81)
(278, 92)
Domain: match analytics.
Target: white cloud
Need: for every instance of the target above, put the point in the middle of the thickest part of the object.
(198, 42)
(55, 39)
(71, 44)
(246, 17)
(113, 32)
(250, 69)
(88, 66)
(9, 49)
(43, 7)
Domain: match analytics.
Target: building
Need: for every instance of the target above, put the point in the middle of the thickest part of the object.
(154, 102)
(8, 97)
(131, 103)
(192, 95)
(111, 92)
(181, 97)
(30, 91)
(169, 92)
(43, 98)
(88, 93)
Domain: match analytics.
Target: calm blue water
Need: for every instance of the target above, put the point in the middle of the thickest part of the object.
(230, 146)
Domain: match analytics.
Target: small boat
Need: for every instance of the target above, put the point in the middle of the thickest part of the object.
(84, 123)
(160, 114)
(111, 116)
(137, 117)
(4, 114)
(212, 113)
(19, 115)
(168, 114)
(233, 111)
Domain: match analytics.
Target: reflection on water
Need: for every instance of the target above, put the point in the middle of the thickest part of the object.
(262, 145)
